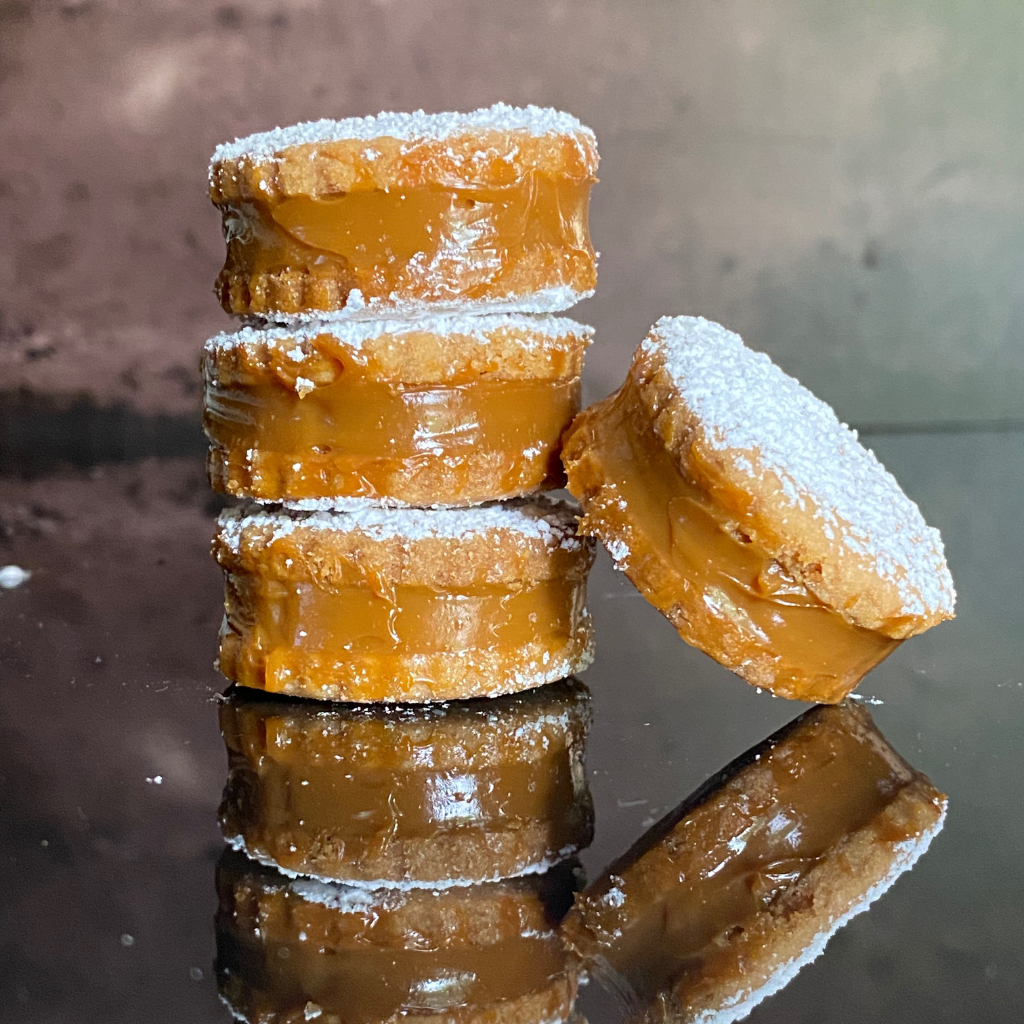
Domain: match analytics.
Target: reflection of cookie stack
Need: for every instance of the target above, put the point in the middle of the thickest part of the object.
(398, 397)
(464, 792)
(296, 950)
(424, 812)
(472, 228)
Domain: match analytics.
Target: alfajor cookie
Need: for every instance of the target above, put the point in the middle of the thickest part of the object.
(727, 897)
(751, 517)
(440, 411)
(436, 795)
(403, 214)
(404, 604)
(294, 951)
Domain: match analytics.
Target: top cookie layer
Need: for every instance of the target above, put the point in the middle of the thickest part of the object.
(489, 147)
(830, 512)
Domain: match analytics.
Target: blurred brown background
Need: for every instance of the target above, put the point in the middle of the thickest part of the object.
(842, 183)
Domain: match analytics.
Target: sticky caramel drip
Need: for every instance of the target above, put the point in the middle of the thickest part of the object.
(383, 241)
(728, 860)
(715, 573)
(354, 436)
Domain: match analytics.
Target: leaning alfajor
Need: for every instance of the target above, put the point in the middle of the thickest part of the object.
(752, 518)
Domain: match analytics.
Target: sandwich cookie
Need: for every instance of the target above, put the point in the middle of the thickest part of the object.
(753, 519)
(404, 214)
(441, 411)
(720, 903)
(373, 795)
(404, 604)
(294, 951)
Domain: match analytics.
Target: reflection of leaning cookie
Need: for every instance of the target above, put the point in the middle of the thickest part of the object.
(404, 604)
(291, 952)
(755, 521)
(441, 411)
(727, 897)
(452, 793)
(408, 213)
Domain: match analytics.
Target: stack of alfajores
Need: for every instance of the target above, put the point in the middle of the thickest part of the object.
(397, 401)
(392, 409)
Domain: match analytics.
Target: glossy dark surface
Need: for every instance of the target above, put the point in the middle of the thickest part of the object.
(111, 763)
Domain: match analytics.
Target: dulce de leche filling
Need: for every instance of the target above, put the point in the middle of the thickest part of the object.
(770, 628)
(293, 787)
(287, 626)
(384, 241)
(350, 436)
(730, 861)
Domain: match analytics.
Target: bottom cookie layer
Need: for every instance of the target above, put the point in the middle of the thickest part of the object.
(409, 678)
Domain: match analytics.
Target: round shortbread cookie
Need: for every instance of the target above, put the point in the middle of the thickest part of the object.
(751, 517)
(827, 509)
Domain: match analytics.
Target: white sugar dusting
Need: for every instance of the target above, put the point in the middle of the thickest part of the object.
(746, 403)
(548, 519)
(410, 127)
(355, 333)
(545, 300)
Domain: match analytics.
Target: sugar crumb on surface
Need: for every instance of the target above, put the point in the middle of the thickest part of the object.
(355, 333)
(409, 127)
(745, 403)
(552, 520)
(554, 299)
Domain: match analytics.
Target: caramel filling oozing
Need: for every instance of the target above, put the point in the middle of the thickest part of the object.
(384, 240)
(763, 611)
(283, 620)
(350, 435)
(368, 982)
(830, 781)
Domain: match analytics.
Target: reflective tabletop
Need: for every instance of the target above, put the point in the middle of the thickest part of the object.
(113, 763)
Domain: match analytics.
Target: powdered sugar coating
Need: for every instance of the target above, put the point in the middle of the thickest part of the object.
(550, 520)
(545, 300)
(410, 127)
(745, 403)
(354, 333)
